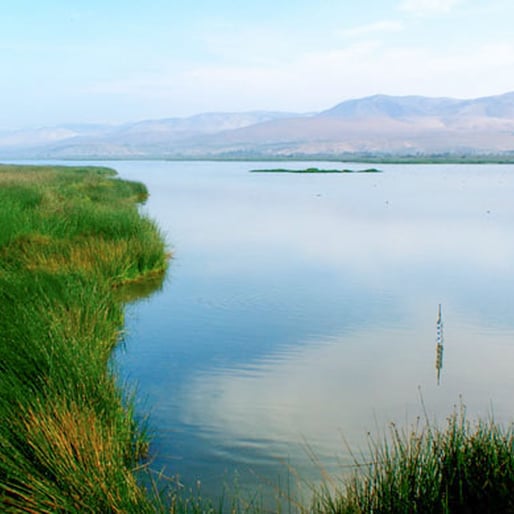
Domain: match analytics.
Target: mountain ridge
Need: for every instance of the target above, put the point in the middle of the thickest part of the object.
(380, 123)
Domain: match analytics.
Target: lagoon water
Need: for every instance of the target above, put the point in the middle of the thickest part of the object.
(299, 312)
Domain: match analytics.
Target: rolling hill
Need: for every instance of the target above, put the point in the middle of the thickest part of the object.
(380, 124)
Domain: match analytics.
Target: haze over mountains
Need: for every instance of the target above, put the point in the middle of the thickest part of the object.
(380, 124)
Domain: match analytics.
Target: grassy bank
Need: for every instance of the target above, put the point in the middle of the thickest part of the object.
(69, 239)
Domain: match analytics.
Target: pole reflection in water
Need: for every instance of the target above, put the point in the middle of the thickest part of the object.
(439, 346)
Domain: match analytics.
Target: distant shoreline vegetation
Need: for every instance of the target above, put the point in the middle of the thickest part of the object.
(348, 158)
(251, 156)
(316, 171)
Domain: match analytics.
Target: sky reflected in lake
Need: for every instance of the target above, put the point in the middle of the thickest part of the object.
(302, 309)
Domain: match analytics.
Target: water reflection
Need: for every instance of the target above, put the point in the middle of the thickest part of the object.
(140, 289)
(439, 346)
(301, 308)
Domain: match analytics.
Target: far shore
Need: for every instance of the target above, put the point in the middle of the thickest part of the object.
(507, 158)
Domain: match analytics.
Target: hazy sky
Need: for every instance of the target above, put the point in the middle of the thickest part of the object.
(113, 60)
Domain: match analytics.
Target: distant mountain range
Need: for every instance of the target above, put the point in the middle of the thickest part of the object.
(380, 124)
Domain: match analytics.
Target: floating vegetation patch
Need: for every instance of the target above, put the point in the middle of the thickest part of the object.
(316, 170)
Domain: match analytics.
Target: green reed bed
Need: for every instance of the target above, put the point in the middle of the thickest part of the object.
(69, 238)
(463, 468)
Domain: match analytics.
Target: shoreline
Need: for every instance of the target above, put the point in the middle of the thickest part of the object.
(75, 239)
(338, 158)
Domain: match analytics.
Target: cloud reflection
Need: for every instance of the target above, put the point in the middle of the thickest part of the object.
(322, 389)
(303, 308)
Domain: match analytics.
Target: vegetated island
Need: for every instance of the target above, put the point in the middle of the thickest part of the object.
(315, 170)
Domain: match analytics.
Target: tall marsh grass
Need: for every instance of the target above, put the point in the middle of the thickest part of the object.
(69, 237)
(464, 468)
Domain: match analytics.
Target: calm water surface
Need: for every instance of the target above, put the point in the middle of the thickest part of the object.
(301, 311)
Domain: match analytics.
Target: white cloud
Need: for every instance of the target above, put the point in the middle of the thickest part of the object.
(317, 80)
(371, 28)
(423, 7)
